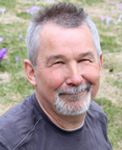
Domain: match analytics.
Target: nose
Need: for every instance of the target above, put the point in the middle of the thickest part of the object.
(74, 77)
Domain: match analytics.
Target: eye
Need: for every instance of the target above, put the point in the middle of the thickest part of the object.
(84, 60)
(58, 62)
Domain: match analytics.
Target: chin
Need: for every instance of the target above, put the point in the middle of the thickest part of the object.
(78, 107)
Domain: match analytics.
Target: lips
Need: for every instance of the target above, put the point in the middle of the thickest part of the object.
(73, 97)
(74, 93)
(71, 94)
(74, 90)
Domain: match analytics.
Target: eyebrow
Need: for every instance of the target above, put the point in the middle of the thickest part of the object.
(54, 57)
(90, 54)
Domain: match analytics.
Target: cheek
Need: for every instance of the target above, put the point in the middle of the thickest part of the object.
(95, 80)
(55, 79)
(95, 89)
(92, 74)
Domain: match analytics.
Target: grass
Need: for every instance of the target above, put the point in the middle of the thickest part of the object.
(118, 83)
(9, 4)
(24, 15)
(109, 44)
(90, 2)
(15, 87)
(114, 113)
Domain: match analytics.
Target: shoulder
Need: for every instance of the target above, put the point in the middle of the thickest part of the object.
(95, 111)
(96, 107)
(19, 112)
(18, 122)
(96, 120)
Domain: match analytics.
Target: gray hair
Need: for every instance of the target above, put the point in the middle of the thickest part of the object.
(64, 14)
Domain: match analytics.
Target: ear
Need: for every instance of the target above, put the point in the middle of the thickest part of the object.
(100, 63)
(29, 72)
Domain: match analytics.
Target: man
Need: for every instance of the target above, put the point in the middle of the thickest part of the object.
(65, 63)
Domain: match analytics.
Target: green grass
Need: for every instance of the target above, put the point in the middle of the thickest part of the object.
(118, 83)
(109, 44)
(24, 15)
(83, 2)
(90, 1)
(17, 87)
(9, 4)
(114, 114)
(16, 47)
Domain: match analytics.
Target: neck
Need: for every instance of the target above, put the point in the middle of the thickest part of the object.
(67, 122)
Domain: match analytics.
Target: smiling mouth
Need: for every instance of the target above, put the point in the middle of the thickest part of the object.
(72, 95)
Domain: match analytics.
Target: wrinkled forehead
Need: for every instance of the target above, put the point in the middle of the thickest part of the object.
(54, 37)
(49, 30)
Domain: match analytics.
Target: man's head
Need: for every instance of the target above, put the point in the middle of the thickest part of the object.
(65, 59)
(63, 14)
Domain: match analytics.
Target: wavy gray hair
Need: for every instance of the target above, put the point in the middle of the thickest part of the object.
(67, 15)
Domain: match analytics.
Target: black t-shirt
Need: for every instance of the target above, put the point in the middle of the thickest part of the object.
(26, 127)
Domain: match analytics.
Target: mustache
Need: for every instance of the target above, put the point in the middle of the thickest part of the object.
(74, 90)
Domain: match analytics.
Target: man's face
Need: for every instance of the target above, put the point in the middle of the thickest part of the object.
(68, 70)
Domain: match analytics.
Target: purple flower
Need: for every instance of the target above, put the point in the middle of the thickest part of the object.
(108, 19)
(20, 36)
(32, 9)
(17, 57)
(3, 10)
(120, 16)
(3, 51)
(28, 10)
(35, 7)
(102, 18)
(50, 1)
(120, 6)
(1, 39)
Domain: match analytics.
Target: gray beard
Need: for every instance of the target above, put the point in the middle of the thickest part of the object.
(66, 109)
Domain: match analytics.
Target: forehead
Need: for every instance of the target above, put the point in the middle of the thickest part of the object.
(49, 30)
(55, 37)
